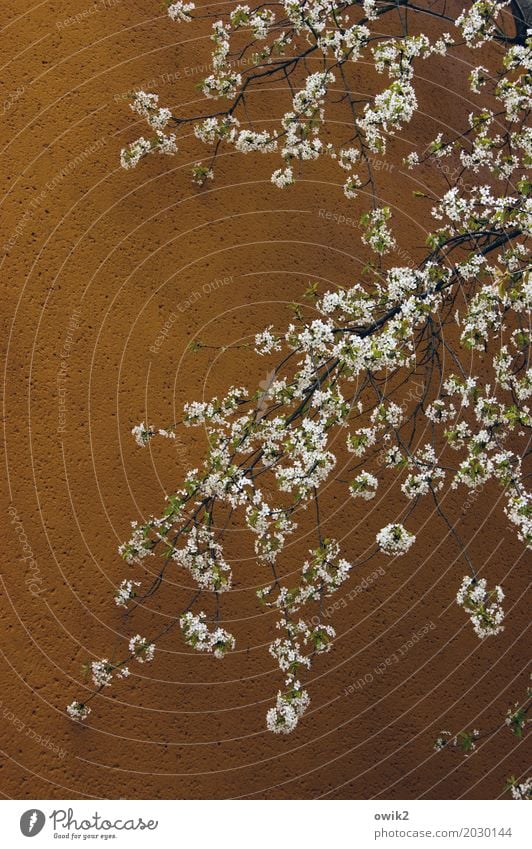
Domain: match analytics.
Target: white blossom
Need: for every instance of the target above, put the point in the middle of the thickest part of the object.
(364, 486)
(522, 790)
(125, 592)
(180, 11)
(141, 648)
(394, 539)
(197, 635)
(102, 672)
(77, 710)
(482, 605)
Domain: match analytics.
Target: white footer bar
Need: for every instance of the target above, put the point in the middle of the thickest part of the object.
(273, 824)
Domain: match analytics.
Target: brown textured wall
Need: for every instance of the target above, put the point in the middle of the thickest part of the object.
(100, 259)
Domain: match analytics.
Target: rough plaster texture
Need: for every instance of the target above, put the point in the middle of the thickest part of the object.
(99, 263)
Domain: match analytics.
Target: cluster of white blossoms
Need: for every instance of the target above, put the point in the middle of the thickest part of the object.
(344, 34)
(125, 592)
(310, 463)
(131, 155)
(289, 708)
(519, 512)
(427, 477)
(293, 653)
(283, 177)
(442, 740)
(482, 605)
(270, 526)
(521, 790)
(224, 82)
(288, 655)
(266, 341)
(440, 347)
(137, 150)
(102, 672)
(516, 718)
(143, 433)
(180, 11)
(321, 575)
(478, 419)
(248, 140)
(139, 546)
(141, 648)
(391, 109)
(215, 410)
(464, 741)
(197, 635)
(364, 486)
(394, 539)
(203, 557)
(325, 572)
(257, 21)
(147, 106)
(77, 710)
(377, 233)
(478, 21)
